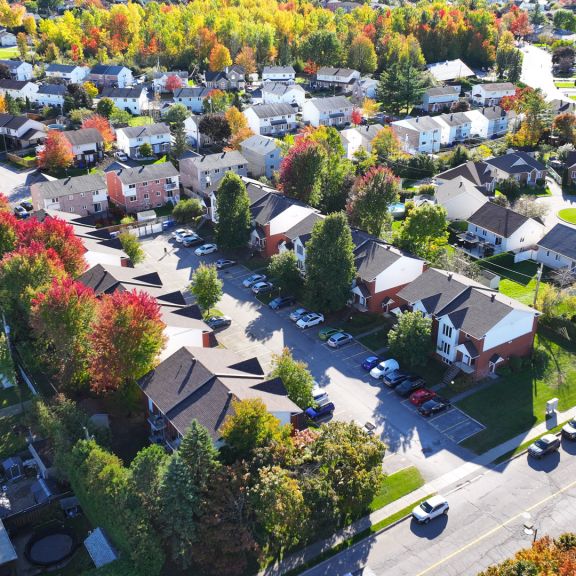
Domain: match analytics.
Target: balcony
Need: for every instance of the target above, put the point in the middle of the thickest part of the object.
(157, 423)
(170, 186)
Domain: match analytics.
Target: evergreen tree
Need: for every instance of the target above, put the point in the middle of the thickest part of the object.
(410, 340)
(233, 205)
(198, 452)
(387, 90)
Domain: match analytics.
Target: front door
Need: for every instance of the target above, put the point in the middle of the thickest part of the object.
(466, 359)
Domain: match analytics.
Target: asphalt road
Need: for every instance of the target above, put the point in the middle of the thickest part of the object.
(257, 330)
(537, 72)
(484, 526)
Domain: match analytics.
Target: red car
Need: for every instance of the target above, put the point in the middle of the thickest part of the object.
(420, 396)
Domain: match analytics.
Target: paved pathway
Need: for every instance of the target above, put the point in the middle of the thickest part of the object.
(445, 484)
(537, 72)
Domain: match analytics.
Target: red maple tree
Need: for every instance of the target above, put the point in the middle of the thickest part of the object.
(356, 116)
(103, 126)
(56, 153)
(173, 82)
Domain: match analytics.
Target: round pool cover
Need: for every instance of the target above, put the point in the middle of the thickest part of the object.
(50, 546)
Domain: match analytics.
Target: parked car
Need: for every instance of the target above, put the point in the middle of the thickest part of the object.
(224, 263)
(370, 362)
(434, 406)
(327, 332)
(295, 315)
(429, 509)
(309, 320)
(392, 379)
(569, 430)
(323, 409)
(385, 367)
(20, 212)
(546, 445)
(191, 240)
(121, 156)
(252, 279)
(281, 302)
(420, 396)
(340, 339)
(180, 233)
(27, 205)
(262, 287)
(216, 322)
(205, 249)
(318, 393)
(409, 385)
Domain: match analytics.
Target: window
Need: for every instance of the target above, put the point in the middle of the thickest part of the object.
(557, 257)
(132, 198)
(156, 181)
(521, 239)
(483, 232)
(447, 330)
(158, 193)
(144, 183)
(498, 241)
(84, 207)
(217, 171)
(146, 196)
(168, 181)
(139, 139)
(132, 186)
(71, 197)
(98, 207)
(71, 209)
(547, 252)
(445, 347)
(95, 193)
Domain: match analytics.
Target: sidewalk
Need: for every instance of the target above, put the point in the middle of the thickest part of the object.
(450, 482)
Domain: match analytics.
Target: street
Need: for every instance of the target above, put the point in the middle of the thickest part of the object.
(485, 524)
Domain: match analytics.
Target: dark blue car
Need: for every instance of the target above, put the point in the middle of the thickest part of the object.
(322, 410)
(370, 362)
(282, 302)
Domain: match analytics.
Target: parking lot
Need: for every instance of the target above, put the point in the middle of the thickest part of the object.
(16, 181)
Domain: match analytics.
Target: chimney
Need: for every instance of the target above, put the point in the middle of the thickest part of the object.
(451, 117)
(461, 183)
(450, 276)
(493, 297)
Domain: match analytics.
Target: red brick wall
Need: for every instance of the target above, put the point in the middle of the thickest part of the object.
(272, 242)
(114, 189)
(374, 303)
(157, 196)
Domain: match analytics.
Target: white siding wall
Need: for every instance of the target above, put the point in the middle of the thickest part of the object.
(517, 323)
(403, 271)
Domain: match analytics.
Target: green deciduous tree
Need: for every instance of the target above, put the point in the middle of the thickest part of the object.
(330, 263)
(233, 205)
(295, 376)
(283, 268)
(105, 107)
(323, 48)
(386, 144)
(425, 231)
(215, 126)
(131, 246)
(410, 340)
(145, 150)
(187, 210)
(362, 55)
(206, 287)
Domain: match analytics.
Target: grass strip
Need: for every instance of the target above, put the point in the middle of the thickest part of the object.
(396, 486)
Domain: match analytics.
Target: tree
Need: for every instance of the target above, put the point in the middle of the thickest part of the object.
(119, 116)
(284, 269)
(401, 86)
(387, 91)
(295, 376)
(101, 124)
(529, 207)
(233, 205)
(460, 106)
(61, 320)
(362, 55)
(8, 236)
(337, 179)
(235, 142)
(301, 171)
(176, 117)
(330, 263)
(247, 59)
(349, 464)
(173, 83)
(509, 61)
(532, 104)
(199, 454)
(386, 144)
(410, 339)
(564, 125)
(105, 107)
(187, 210)
(145, 150)
(459, 156)
(510, 187)
(356, 116)
(563, 58)
(323, 48)
(22, 43)
(218, 101)
(57, 152)
(92, 91)
(219, 58)
(126, 340)
(371, 197)
(370, 107)
(131, 246)
(251, 426)
(565, 20)
(236, 120)
(5, 73)
(76, 97)
(459, 262)
(206, 287)
(215, 126)
(425, 231)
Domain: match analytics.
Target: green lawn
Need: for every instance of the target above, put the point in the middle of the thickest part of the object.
(375, 341)
(12, 436)
(361, 322)
(516, 402)
(564, 84)
(568, 215)
(9, 52)
(140, 121)
(396, 486)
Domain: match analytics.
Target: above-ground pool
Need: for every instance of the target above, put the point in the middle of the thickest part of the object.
(50, 545)
(397, 209)
(56, 127)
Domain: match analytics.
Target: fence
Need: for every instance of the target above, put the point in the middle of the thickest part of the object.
(35, 514)
(525, 255)
(554, 175)
(25, 158)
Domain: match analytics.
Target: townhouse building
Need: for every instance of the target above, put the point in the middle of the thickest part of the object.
(492, 94)
(416, 135)
(263, 155)
(271, 119)
(67, 73)
(284, 74)
(19, 70)
(281, 93)
(133, 100)
(440, 98)
(454, 128)
(111, 76)
(333, 111)
(130, 139)
(87, 146)
(194, 98)
(18, 89)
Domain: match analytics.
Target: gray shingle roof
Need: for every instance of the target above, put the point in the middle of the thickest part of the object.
(83, 136)
(9, 84)
(135, 92)
(455, 119)
(442, 91)
(107, 279)
(516, 163)
(279, 88)
(449, 70)
(146, 130)
(497, 219)
(145, 173)
(331, 103)
(494, 112)
(106, 69)
(272, 110)
(329, 71)
(278, 70)
(72, 185)
(476, 172)
(65, 68)
(260, 144)
(498, 86)
(562, 240)
(373, 257)
(53, 89)
(422, 123)
(12, 122)
(303, 229)
(12, 64)
(192, 92)
(212, 161)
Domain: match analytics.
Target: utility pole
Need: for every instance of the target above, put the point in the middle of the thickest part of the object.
(538, 278)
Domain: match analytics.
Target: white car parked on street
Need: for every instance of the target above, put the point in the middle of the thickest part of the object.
(205, 249)
(430, 509)
(384, 368)
(179, 234)
(310, 319)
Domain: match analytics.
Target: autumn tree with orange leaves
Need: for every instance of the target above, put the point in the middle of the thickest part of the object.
(219, 58)
(103, 126)
(57, 152)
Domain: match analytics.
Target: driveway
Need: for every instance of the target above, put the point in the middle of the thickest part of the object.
(15, 182)
(537, 72)
(257, 330)
(557, 201)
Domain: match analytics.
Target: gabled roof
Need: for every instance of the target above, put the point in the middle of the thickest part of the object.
(272, 110)
(13, 65)
(495, 112)
(499, 220)
(99, 548)
(12, 122)
(516, 163)
(330, 103)
(71, 185)
(454, 119)
(260, 144)
(108, 279)
(135, 92)
(200, 383)
(329, 71)
(496, 87)
(146, 130)
(52, 89)
(65, 68)
(192, 92)
(418, 124)
(303, 229)
(476, 172)
(449, 70)
(148, 172)
(223, 74)
(279, 88)
(212, 161)
(9, 84)
(442, 91)
(270, 206)
(107, 69)
(83, 136)
(459, 186)
(562, 240)
(278, 70)
(373, 257)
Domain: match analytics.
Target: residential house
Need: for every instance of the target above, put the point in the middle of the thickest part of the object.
(381, 272)
(562, 106)
(474, 328)
(281, 93)
(50, 95)
(19, 70)
(130, 139)
(493, 229)
(107, 75)
(478, 173)
(492, 94)
(7, 38)
(82, 195)
(449, 70)
(421, 134)
(18, 89)
(231, 78)
(87, 146)
(460, 197)
(159, 79)
(454, 127)
(284, 74)
(440, 98)
(364, 88)
(271, 119)
(193, 133)
(133, 100)
(557, 249)
(201, 384)
(193, 98)
(570, 169)
(359, 137)
(68, 73)
(337, 78)
(144, 187)
(344, 5)
(490, 122)
(21, 131)
(297, 236)
(518, 165)
(333, 111)
(263, 155)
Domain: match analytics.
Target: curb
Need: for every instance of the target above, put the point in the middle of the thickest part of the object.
(525, 451)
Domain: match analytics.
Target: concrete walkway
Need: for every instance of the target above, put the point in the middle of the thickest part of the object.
(455, 480)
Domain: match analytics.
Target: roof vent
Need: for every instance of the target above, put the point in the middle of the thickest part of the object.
(493, 297)
(450, 276)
